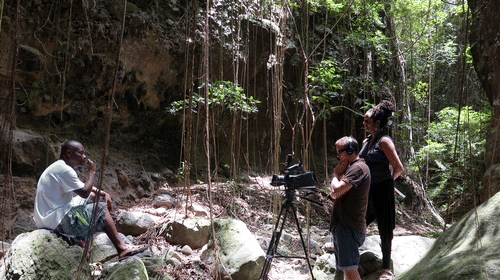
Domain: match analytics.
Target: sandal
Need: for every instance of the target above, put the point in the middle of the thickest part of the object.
(133, 253)
(386, 275)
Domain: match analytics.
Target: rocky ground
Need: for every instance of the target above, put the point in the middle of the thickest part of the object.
(253, 201)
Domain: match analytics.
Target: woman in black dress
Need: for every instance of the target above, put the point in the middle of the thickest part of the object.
(379, 152)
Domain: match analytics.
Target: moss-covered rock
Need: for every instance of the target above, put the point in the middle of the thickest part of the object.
(470, 249)
(132, 269)
(40, 254)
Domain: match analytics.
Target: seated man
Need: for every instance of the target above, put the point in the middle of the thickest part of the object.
(350, 186)
(65, 204)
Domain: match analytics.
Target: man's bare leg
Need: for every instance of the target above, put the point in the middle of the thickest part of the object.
(351, 275)
(121, 247)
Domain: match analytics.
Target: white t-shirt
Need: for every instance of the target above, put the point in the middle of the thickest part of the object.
(54, 194)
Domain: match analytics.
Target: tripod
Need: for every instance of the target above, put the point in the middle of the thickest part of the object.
(272, 252)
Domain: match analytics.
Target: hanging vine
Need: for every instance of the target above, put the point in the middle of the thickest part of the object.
(7, 127)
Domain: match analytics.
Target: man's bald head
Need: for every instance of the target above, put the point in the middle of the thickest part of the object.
(73, 146)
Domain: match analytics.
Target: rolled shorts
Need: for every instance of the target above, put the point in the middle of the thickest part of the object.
(346, 244)
(79, 219)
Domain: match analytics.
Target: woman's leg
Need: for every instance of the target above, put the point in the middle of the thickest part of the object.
(385, 212)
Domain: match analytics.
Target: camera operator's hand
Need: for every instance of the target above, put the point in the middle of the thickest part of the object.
(340, 168)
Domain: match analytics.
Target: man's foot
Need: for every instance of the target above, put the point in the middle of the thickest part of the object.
(131, 251)
(386, 275)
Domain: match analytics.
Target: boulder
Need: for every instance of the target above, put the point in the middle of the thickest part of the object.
(324, 268)
(186, 250)
(103, 248)
(31, 154)
(173, 258)
(198, 210)
(165, 200)
(131, 269)
(134, 223)
(406, 251)
(40, 254)
(240, 253)
(192, 232)
(155, 266)
(31, 58)
(24, 196)
(470, 249)
(23, 223)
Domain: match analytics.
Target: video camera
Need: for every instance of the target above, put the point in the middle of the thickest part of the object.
(295, 177)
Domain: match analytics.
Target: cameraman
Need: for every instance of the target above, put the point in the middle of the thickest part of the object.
(349, 188)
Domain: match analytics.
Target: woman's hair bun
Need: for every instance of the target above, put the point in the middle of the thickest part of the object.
(387, 106)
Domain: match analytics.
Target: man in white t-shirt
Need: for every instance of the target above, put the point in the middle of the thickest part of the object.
(64, 203)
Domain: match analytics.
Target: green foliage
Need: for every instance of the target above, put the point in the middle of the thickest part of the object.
(426, 32)
(326, 83)
(222, 94)
(328, 86)
(234, 187)
(334, 7)
(420, 91)
(326, 79)
(449, 174)
(229, 95)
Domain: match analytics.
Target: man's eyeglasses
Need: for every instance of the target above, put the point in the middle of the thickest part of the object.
(341, 151)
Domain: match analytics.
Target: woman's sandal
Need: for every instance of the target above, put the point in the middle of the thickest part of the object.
(386, 275)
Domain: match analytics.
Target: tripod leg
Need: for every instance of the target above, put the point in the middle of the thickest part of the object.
(302, 241)
(273, 244)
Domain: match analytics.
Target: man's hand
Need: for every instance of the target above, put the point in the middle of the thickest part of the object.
(107, 199)
(91, 165)
(340, 169)
(338, 187)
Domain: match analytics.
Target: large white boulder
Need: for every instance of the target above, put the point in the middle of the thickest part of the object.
(192, 232)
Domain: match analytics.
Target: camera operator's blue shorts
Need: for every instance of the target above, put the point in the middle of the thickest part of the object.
(79, 219)
(346, 244)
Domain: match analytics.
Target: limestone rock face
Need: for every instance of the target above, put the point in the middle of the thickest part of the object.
(465, 250)
(42, 255)
(239, 251)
